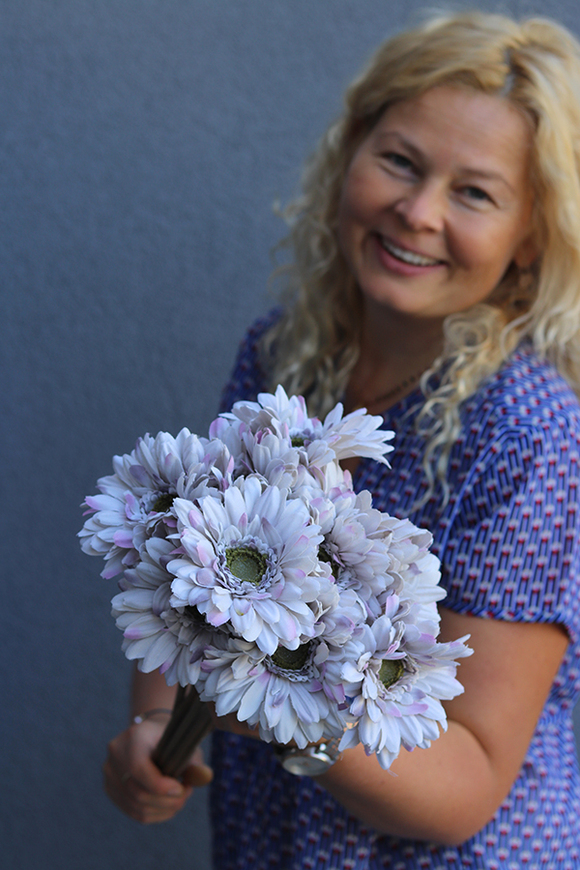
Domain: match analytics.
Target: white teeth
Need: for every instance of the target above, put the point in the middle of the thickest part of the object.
(408, 256)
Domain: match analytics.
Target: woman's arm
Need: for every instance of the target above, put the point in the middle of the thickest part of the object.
(132, 781)
(448, 792)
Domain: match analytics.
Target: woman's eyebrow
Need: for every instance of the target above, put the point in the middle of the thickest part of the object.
(402, 140)
(486, 175)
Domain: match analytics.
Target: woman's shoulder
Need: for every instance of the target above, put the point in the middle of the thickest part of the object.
(262, 324)
(509, 534)
(251, 343)
(523, 416)
(526, 393)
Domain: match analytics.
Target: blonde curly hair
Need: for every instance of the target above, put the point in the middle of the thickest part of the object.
(535, 64)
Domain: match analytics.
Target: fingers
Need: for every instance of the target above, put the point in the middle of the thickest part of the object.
(138, 801)
(137, 786)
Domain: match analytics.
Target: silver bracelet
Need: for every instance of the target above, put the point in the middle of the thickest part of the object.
(148, 714)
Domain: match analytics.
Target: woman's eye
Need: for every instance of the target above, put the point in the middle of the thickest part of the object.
(476, 193)
(398, 160)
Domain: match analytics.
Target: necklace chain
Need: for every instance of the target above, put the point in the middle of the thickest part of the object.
(384, 397)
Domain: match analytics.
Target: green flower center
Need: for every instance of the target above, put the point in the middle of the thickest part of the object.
(297, 441)
(163, 502)
(391, 671)
(291, 659)
(245, 563)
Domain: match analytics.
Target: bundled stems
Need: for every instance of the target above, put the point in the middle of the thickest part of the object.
(190, 722)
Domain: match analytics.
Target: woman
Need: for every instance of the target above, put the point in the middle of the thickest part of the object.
(435, 281)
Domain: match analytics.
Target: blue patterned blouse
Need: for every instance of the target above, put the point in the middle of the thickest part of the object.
(509, 541)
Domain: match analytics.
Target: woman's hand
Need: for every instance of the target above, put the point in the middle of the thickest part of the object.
(137, 786)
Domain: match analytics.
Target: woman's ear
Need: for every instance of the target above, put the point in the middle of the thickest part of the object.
(527, 252)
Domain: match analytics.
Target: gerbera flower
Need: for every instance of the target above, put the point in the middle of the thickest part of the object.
(267, 453)
(357, 434)
(249, 558)
(396, 683)
(283, 694)
(135, 502)
(154, 633)
(418, 569)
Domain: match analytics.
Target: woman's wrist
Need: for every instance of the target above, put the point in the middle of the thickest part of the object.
(154, 713)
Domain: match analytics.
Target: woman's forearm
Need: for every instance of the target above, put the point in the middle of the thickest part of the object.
(443, 794)
(149, 692)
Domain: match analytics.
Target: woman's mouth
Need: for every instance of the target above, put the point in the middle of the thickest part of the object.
(409, 257)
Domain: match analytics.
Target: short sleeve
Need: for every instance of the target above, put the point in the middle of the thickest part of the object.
(511, 546)
(248, 376)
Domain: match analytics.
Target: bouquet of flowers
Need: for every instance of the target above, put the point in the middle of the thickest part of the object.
(253, 576)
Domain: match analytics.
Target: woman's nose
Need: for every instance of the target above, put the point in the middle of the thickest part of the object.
(422, 208)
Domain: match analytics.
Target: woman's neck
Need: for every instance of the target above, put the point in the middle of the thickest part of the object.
(389, 336)
(395, 350)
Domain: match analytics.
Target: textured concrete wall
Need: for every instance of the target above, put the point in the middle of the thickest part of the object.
(142, 144)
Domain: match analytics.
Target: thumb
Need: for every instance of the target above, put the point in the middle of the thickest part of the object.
(197, 773)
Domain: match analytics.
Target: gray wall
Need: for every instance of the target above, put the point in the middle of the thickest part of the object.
(142, 144)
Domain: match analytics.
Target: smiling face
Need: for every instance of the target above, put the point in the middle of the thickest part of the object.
(437, 202)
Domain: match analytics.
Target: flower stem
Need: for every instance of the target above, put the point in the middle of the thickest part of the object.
(190, 722)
